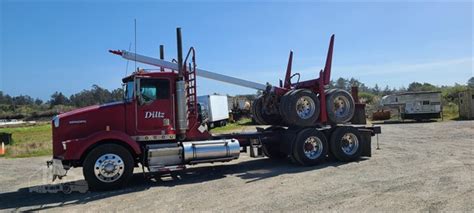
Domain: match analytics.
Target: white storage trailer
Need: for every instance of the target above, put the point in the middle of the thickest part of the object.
(415, 105)
(215, 108)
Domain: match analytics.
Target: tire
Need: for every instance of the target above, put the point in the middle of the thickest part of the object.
(256, 105)
(340, 106)
(116, 156)
(300, 108)
(273, 152)
(283, 108)
(346, 143)
(310, 147)
(261, 117)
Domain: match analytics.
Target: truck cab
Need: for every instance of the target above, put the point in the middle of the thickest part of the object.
(149, 106)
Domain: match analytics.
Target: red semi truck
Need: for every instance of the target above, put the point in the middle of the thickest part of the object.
(157, 126)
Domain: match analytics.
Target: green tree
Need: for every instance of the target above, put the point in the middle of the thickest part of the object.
(376, 89)
(418, 87)
(341, 83)
(57, 98)
(451, 93)
(386, 91)
(470, 82)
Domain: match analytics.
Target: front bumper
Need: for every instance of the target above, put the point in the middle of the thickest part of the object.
(57, 168)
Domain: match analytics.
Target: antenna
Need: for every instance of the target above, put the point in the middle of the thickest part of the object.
(135, 20)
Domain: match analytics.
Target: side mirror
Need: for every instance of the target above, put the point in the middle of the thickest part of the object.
(140, 100)
(124, 96)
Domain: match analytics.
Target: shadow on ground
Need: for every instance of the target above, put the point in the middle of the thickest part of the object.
(402, 122)
(251, 170)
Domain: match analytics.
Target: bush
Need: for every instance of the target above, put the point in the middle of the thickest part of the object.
(367, 98)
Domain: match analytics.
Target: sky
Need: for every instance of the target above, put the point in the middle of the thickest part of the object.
(49, 46)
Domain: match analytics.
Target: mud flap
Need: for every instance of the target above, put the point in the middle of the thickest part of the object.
(366, 136)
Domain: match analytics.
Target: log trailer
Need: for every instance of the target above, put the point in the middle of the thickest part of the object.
(157, 124)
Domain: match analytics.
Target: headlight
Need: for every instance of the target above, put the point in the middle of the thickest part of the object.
(56, 121)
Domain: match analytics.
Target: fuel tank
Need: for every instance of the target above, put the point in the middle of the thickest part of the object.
(211, 151)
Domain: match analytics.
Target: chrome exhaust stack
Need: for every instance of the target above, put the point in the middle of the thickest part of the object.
(182, 117)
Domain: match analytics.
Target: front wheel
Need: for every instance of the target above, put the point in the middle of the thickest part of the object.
(107, 167)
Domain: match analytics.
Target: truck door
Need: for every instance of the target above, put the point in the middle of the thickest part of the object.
(154, 109)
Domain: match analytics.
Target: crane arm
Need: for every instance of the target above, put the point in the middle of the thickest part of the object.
(199, 72)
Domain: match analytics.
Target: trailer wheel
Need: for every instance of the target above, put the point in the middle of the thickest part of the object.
(108, 166)
(260, 116)
(256, 106)
(346, 143)
(283, 108)
(300, 108)
(273, 152)
(340, 106)
(310, 147)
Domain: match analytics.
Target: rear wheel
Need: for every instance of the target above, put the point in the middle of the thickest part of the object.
(300, 108)
(273, 152)
(108, 166)
(340, 106)
(346, 143)
(310, 147)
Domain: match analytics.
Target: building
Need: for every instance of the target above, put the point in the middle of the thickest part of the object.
(466, 104)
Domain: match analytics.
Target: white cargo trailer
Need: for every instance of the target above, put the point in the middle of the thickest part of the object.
(215, 109)
(415, 105)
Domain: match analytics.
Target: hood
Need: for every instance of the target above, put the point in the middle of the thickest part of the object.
(83, 122)
(89, 109)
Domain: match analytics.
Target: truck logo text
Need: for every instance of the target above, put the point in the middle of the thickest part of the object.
(154, 114)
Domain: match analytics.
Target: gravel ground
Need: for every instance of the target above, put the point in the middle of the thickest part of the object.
(419, 167)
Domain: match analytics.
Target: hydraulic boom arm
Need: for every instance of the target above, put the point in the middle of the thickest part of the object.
(199, 72)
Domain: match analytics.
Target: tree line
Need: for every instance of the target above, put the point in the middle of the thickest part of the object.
(24, 106)
(96, 95)
(449, 93)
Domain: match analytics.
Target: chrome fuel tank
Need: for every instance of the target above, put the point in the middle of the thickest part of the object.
(211, 151)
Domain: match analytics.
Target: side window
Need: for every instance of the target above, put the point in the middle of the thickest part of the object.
(154, 89)
(426, 102)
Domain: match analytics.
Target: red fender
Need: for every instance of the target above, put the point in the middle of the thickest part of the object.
(75, 148)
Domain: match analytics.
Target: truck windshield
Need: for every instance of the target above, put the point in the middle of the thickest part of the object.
(129, 91)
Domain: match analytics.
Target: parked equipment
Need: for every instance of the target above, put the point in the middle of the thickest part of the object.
(214, 110)
(157, 125)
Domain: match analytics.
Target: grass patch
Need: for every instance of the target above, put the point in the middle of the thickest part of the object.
(29, 141)
(232, 126)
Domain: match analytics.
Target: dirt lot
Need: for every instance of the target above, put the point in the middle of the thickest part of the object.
(420, 167)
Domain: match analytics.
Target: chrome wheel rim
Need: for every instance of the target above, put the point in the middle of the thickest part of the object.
(313, 147)
(305, 107)
(349, 143)
(109, 168)
(341, 106)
